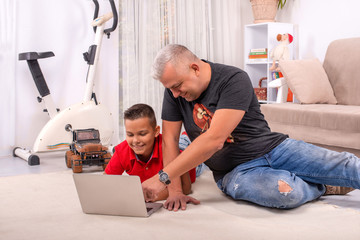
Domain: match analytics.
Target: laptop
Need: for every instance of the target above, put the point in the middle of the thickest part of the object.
(112, 195)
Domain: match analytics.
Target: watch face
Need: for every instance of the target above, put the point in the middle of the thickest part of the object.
(164, 178)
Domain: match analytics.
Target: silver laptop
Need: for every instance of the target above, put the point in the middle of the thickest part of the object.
(112, 195)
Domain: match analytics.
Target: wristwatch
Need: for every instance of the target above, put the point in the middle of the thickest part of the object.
(164, 177)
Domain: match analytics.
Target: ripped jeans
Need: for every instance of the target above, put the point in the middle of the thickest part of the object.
(290, 175)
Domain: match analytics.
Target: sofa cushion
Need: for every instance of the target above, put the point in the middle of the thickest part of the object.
(334, 125)
(308, 81)
(342, 66)
(326, 116)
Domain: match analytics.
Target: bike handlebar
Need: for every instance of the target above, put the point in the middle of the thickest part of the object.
(96, 12)
(115, 16)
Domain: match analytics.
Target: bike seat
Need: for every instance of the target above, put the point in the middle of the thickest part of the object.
(35, 55)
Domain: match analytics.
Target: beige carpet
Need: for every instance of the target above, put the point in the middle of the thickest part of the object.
(45, 206)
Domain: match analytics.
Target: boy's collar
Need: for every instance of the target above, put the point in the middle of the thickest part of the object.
(137, 158)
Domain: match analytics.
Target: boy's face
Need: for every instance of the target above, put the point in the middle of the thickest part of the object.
(140, 136)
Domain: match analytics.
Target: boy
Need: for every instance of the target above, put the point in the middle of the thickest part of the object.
(141, 153)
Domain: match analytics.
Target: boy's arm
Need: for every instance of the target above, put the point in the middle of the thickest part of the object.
(170, 148)
(114, 166)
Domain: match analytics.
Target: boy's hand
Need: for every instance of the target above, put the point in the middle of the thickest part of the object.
(152, 187)
(179, 200)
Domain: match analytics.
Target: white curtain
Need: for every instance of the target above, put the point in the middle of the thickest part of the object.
(140, 39)
(209, 28)
(7, 75)
(189, 25)
(226, 32)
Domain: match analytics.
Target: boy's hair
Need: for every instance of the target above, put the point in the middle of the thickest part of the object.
(139, 111)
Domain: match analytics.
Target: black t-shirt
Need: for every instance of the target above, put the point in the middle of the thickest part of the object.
(229, 88)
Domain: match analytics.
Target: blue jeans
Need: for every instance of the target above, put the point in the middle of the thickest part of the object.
(303, 168)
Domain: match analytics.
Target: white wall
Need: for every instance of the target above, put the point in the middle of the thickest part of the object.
(63, 27)
(318, 23)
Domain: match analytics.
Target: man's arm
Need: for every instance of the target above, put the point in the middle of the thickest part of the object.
(170, 148)
(202, 148)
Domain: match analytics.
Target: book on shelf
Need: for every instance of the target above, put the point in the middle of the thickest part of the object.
(258, 56)
(253, 50)
(257, 53)
(276, 75)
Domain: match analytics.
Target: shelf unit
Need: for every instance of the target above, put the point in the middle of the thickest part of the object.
(263, 35)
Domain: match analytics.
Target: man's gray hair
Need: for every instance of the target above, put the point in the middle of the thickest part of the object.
(174, 54)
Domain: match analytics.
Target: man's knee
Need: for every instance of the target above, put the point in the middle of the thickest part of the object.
(284, 188)
(288, 197)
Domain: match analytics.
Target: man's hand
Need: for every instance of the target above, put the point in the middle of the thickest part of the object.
(177, 200)
(152, 187)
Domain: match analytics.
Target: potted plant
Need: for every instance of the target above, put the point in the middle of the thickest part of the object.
(281, 4)
(265, 10)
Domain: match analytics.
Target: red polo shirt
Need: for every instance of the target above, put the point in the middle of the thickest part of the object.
(124, 159)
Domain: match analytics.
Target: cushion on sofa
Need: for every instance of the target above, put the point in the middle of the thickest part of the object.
(342, 66)
(308, 81)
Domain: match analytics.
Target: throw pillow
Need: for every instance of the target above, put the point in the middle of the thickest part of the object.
(308, 81)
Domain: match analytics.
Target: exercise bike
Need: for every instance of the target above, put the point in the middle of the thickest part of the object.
(56, 134)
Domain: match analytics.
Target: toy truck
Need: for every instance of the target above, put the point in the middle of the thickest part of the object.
(86, 149)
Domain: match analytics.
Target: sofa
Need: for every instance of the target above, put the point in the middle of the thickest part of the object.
(327, 107)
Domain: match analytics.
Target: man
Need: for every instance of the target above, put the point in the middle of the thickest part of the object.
(222, 117)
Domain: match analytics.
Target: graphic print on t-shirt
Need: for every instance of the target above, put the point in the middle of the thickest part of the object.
(202, 118)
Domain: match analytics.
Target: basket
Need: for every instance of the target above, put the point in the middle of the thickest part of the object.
(261, 92)
(264, 10)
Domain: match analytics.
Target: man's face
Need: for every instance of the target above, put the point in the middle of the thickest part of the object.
(186, 84)
(140, 135)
